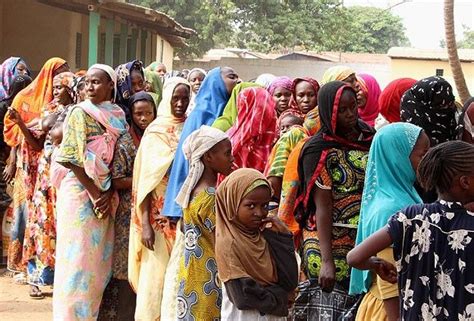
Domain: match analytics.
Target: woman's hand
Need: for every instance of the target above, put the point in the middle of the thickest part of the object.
(148, 237)
(275, 224)
(327, 276)
(14, 116)
(103, 202)
(9, 172)
(386, 270)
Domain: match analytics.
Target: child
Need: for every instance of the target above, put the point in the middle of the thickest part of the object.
(431, 242)
(254, 253)
(288, 120)
(209, 153)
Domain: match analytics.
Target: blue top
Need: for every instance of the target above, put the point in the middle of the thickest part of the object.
(210, 102)
(388, 187)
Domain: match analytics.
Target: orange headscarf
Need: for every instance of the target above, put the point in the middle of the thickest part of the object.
(30, 101)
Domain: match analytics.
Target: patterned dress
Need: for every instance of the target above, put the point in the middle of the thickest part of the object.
(344, 175)
(432, 246)
(199, 294)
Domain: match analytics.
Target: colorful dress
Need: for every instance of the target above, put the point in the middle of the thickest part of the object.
(343, 174)
(85, 243)
(199, 294)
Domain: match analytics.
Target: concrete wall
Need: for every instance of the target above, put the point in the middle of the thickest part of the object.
(419, 69)
(250, 68)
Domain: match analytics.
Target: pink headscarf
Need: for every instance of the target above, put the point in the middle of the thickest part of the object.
(284, 82)
(372, 91)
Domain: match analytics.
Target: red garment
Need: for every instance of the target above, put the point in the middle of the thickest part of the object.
(389, 100)
(254, 131)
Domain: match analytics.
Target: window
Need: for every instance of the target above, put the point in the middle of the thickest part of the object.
(101, 58)
(78, 50)
(439, 72)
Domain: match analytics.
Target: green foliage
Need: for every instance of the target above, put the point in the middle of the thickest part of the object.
(466, 43)
(283, 25)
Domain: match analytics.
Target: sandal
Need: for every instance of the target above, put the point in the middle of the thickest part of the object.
(20, 279)
(35, 293)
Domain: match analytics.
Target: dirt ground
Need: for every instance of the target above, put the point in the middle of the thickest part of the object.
(16, 305)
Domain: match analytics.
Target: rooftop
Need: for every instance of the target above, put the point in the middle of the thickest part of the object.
(466, 55)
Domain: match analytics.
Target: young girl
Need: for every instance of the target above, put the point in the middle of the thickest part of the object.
(431, 242)
(209, 153)
(254, 253)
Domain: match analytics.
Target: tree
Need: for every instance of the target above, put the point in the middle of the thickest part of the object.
(453, 57)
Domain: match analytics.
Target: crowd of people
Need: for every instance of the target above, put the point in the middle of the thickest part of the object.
(139, 194)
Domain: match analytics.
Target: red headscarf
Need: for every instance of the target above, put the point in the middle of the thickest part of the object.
(391, 96)
(312, 82)
(254, 131)
(372, 91)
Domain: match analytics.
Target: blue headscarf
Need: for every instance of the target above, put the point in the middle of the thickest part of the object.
(210, 102)
(388, 187)
(8, 71)
(124, 84)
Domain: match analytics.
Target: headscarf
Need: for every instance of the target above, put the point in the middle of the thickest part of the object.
(418, 107)
(313, 155)
(388, 186)
(67, 80)
(337, 73)
(192, 102)
(283, 82)
(265, 80)
(194, 147)
(313, 82)
(241, 253)
(30, 101)
(196, 69)
(210, 102)
(153, 65)
(229, 116)
(135, 131)
(389, 100)
(124, 82)
(254, 132)
(372, 91)
(7, 73)
(78, 84)
(156, 85)
(18, 83)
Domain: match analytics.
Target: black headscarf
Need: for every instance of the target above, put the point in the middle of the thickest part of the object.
(313, 154)
(429, 103)
(139, 96)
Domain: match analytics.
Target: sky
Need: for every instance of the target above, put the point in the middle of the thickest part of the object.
(424, 20)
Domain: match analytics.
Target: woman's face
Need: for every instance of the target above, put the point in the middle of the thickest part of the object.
(161, 70)
(306, 98)
(220, 157)
(254, 208)
(281, 97)
(81, 92)
(347, 113)
(143, 113)
(354, 83)
(21, 69)
(138, 83)
(180, 100)
(419, 150)
(195, 79)
(61, 93)
(230, 77)
(99, 86)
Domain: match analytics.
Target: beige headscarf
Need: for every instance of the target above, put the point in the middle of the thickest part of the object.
(239, 252)
(194, 146)
(337, 73)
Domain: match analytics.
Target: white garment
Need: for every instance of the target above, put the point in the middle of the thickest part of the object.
(380, 122)
(229, 312)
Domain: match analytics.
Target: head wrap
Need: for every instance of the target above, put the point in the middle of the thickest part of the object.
(30, 101)
(196, 69)
(66, 79)
(124, 81)
(109, 71)
(7, 73)
(194, 147)
(372, 91)
(389, 100)
(18, 83)
(240, 253)
(429, 103)
(254, 132)
(311, 81)
(283, 82)
(78, 85)
(139, 96)
(265, 80)
(315, 150)
(337, 73)
(388, 186)
(154, 65)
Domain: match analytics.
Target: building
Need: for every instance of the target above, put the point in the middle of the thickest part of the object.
(421, 63)
(84, 32)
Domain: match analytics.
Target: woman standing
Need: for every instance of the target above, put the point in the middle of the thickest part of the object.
(9, 69)
(130, 80)
(369, 108)
(86, 200)
(281, 90)
(332, 171)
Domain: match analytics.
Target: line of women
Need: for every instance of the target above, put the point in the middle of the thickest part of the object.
(210, 198)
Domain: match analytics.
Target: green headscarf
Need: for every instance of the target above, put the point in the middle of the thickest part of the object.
(154, 79)
(229, 116)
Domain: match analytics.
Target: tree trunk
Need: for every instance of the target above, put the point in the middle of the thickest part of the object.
(453, 57)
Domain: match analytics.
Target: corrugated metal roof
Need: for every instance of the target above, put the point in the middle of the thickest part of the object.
(466, 55)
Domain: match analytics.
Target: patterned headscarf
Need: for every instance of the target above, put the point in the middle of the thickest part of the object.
(372, 91)
(254, 132)
(429, 103)
(284, 82)
(337, 73)
(67, 80)
(389, 100)
(194, 146)
(124, 80)
(7, 73)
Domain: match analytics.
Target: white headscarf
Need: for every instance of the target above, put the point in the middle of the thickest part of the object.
(265, 80)
(110, 71)
(196, 145)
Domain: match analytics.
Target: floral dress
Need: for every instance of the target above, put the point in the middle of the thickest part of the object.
(432, 246)
(199, 293)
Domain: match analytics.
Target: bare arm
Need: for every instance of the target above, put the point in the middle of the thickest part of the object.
(122, 183)
(323, 200)
(276, 183)
(10, 169)
(36, 144)
(148, 235)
